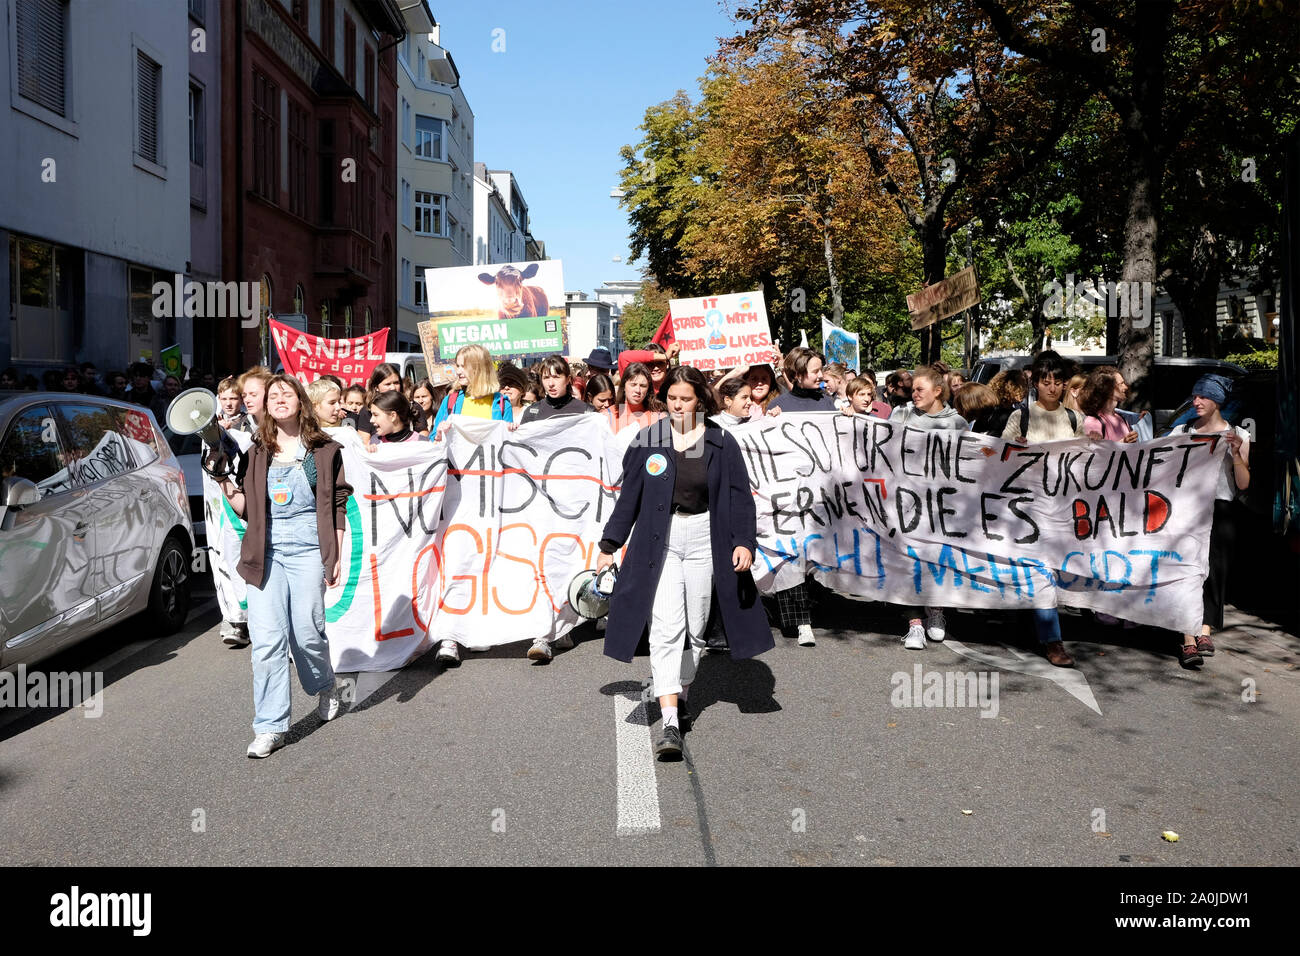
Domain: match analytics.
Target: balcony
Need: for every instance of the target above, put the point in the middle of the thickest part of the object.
(346, 253)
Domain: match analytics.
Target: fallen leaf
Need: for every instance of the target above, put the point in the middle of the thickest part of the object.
(891, 725)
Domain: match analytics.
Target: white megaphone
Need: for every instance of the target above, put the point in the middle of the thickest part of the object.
(590, 591)
(194, 411)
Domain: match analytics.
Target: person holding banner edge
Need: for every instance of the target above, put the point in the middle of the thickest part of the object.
(686, 503)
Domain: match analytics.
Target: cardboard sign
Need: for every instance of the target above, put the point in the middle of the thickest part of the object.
(946, 297)
(516, 310)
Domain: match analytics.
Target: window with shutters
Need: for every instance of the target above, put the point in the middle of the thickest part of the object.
(41, 35)
(148, 108)
(266, 137)
(299, 159)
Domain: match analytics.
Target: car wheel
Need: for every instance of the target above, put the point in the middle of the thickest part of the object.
(169, 597)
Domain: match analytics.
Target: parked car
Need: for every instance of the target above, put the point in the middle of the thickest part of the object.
(1170, 381)
(94, 523)
(411, 364)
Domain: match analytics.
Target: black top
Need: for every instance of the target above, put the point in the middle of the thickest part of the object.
(804, 400)
(691, 486)
(549, 407)
(419, 422)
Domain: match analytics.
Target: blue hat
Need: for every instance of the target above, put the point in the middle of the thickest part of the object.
(1213, 387)
(601, 359)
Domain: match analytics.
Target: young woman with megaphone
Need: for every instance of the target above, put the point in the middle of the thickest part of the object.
(686, 502)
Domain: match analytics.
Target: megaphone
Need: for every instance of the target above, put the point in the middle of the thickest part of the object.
(590, 591)
(194, 412)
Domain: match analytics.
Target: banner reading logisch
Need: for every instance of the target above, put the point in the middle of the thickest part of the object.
(307, 357)
(723, 331)
(515, 310)
(957, 519)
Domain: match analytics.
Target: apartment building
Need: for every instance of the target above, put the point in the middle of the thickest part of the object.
(434, 143)
(95, 203)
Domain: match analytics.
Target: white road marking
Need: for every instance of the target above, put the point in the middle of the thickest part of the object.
(1069, 678)
(638, 788)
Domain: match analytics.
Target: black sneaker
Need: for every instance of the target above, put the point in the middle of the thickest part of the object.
(670, 744)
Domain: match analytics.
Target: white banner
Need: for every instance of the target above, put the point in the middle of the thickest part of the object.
(957, 519)
(225, 531)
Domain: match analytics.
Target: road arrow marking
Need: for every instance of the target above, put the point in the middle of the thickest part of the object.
(1072, 680)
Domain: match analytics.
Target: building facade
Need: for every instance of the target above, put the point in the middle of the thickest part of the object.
(435, 168)
(591, 324)
(94, 210)
(309, 195)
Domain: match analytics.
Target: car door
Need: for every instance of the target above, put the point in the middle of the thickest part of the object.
(123, 501)
(47, 595)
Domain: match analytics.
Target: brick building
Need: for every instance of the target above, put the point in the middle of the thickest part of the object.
(309, 206)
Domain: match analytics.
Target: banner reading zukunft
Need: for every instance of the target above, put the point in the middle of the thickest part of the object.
(956, 519)
(474, 539)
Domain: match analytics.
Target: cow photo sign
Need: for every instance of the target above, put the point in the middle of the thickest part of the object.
(514, 309)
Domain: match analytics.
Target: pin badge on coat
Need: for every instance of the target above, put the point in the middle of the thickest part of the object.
(655, 465)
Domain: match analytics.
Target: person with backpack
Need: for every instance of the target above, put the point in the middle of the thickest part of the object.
(1047, 419)
(478, 392)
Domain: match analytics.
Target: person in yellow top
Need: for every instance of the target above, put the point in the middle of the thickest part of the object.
(478, 393)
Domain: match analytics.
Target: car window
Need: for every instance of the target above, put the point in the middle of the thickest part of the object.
(31, 450)
(96, 445)
(139, 431)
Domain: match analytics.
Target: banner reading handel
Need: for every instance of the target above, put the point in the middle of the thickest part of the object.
(308, 357)
(723, 331)
(956, 519)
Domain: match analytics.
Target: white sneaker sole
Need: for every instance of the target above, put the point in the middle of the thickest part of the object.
(912, 645)
(937, 640)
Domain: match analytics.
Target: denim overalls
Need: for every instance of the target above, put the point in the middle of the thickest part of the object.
(289, 608)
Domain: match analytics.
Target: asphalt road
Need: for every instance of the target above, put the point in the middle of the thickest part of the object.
(798, 758)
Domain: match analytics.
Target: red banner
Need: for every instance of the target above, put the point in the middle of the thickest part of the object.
(308, 357)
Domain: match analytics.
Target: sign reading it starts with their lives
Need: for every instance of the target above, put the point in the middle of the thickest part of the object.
(723, 331)
(947, 297)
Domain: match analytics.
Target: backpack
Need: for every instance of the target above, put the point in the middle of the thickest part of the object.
(1023, 408)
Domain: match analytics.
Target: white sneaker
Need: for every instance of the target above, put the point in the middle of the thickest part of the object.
(263, 744)
(234, 635)
(540, 651)
(328, 702)
(564, 643)
(448, 653)
(806, 638)
(935, 624)
(915, 639)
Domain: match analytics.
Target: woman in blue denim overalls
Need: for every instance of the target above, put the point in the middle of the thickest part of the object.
(291, 491)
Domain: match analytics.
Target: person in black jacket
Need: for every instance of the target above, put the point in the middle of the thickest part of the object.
(686, 492)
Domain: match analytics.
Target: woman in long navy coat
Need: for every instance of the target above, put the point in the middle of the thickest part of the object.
(687, 503)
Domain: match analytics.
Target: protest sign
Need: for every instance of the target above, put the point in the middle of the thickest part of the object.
(307, 357)
(516, 310)
(723, 331)
(840, 345)
(956, 519)
(946, 297)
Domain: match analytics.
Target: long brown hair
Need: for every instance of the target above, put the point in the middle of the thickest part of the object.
(1098, 390)
(309, 430)
(651, 403)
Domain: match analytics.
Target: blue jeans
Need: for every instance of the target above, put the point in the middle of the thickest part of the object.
(1047, 623)
(288, 610)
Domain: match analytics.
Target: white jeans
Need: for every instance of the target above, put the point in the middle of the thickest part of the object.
(681, 604)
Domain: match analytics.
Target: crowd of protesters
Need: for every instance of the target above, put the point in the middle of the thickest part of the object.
(1052, 401)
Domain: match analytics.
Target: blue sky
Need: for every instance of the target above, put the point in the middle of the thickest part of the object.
(570, 89)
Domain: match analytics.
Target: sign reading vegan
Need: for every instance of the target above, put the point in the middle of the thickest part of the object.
(946, 297)
(308, 357)
(515, 310)
(723, 331)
